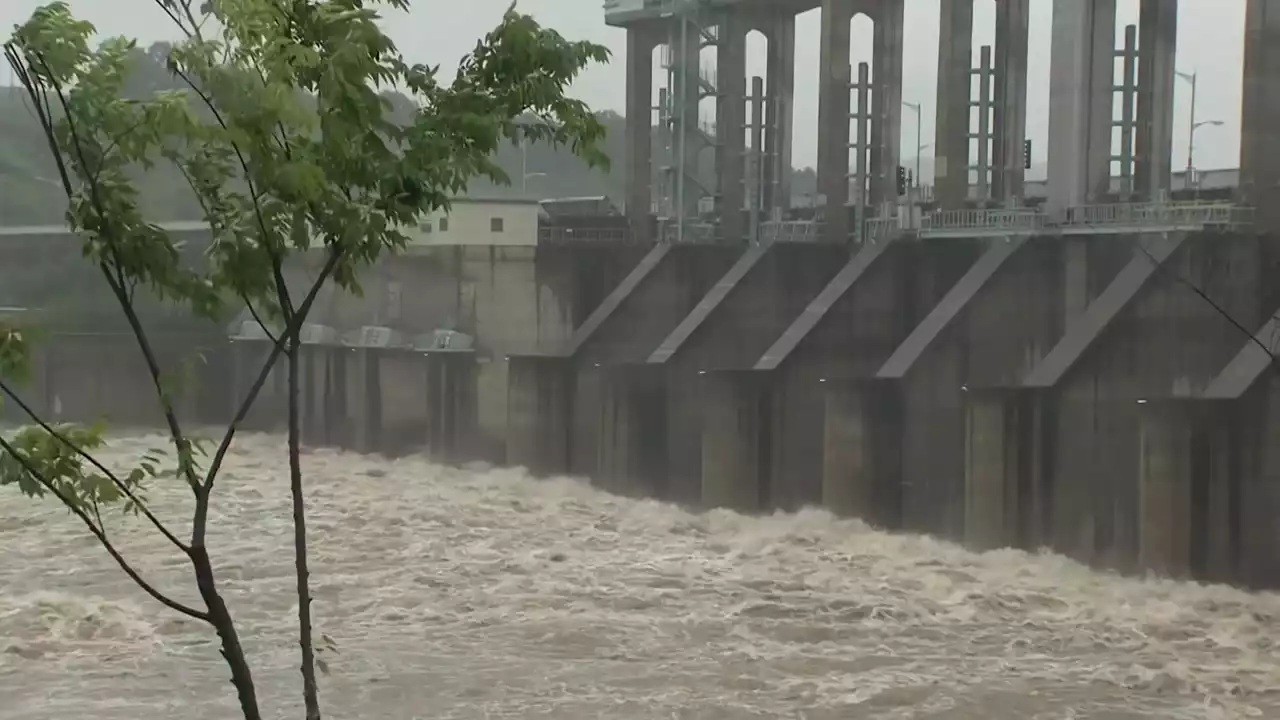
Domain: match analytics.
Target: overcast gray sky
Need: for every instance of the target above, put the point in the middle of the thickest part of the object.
(1209, 41)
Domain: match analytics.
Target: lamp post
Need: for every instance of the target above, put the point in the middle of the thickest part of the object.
(916, 107)
(1193, 125)
(524, 168)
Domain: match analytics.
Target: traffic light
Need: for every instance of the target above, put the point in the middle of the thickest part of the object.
(902, 181)
(1026, 154)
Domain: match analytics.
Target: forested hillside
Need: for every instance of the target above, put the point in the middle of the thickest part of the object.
(30, 195)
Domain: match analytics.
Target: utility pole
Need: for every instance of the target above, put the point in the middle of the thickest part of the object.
(916, 108)
(1192, 126)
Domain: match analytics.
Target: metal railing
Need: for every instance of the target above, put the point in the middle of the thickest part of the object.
(810, 231)
(791, 231)
(692, 233)
(880, 229)
(992, 221)
(1157, 216)
(568, 235)
(950, 223)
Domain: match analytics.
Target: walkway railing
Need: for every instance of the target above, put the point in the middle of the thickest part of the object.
(1188, 216)
(1092, 219)
(961, 223)
(569, 235)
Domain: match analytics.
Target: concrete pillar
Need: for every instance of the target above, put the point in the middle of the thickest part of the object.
(1013, 23)
(538, 409)
(451, 404)
(1164, 488)
(886, 131)
(1080, 104)
(951, 148)
(335, 395)
(731, 121)
(312, 361)
(615, 445)
(780, 81)
(732, 431)
(834, 76)
(639, 143)
(1157, 55)
(860, 445)
(1260, 122)
(1040, 418)
(689, 138)
(993, 440)
(1214, 489)
(363, 399)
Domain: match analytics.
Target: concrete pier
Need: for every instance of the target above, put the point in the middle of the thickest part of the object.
(639, 144)
(1164, 488)
(995, 448)
(1013, 27)
(735, 442)
(1259, 137)
(731, 119)
(834, 97)
(1080, 102)
(861, 456)
(780, 79)
(933, 387)
(451, 404)
(1157, 54)
(538, 415)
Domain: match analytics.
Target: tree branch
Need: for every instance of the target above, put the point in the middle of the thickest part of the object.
(208, 214)
(98, 533)
(291, 330)
(115, 479)
(131, 316)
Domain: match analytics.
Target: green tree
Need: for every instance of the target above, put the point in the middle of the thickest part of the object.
(281, 131)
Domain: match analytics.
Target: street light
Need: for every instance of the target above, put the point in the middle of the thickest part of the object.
(1194, 125)
(916, 107)
(524, 167)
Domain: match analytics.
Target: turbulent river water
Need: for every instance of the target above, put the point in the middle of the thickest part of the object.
(486, 594)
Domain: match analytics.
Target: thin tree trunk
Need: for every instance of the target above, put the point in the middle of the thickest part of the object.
(220, 619)
(310, 691)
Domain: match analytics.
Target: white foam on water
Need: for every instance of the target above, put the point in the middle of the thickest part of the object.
(487, 594)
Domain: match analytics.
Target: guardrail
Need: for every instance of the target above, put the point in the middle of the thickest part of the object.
(969, 222)
(1092, 219)
(568, 235)
(1156, 216)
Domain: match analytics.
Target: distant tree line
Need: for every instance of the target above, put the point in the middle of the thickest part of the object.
(31, 195)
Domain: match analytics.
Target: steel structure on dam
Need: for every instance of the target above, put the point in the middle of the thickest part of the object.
(981, 367)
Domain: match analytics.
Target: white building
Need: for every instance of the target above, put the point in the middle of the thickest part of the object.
(481, 222)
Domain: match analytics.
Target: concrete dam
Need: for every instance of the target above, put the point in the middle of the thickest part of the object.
(1082, 365)
(1087, 370)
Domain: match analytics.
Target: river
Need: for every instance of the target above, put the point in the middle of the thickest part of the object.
(486, 594)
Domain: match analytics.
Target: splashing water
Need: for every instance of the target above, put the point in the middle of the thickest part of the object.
(485, 594)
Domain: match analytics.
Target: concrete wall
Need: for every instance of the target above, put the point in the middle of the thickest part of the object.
(86, 377)
(733, 337)
(1167, 343)
(852, 341)
(634, 331)
(511, 299)
(1000, 334)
